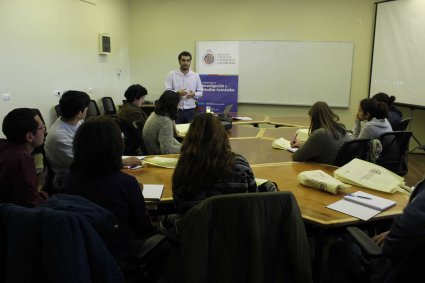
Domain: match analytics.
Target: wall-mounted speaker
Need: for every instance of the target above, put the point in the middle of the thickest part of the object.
(104, 43)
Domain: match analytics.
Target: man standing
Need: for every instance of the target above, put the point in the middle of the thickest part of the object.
(24, 131)
(187, 85)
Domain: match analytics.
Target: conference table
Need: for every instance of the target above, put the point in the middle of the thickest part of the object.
(276, 165)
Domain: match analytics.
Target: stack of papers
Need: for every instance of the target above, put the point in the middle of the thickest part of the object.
(152, 192)
(302, 135)
(166, 162)
(242, 118)
(182, 129)
(283, 143)
(361, 205)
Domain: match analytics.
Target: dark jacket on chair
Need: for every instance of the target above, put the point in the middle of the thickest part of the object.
(46, 245)
(258, 237)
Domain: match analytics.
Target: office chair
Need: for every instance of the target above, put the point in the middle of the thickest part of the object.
(93, 109)
(132, 137)
(109, 106)
(402, 126)
(250, 237)
(357, 148)
(58, 111)
(408, 270)
(395, 149)
(139, 126)
(46, 245)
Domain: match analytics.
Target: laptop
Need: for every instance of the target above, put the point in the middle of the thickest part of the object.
(226, 110)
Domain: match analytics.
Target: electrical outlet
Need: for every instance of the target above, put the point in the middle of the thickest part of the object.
(6, 96)
(57, 92)
(90, 90)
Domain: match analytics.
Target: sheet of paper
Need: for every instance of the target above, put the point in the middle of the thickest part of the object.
(152, 191)
(182, 128)
(353, 209)
(242, 118)
(166, 162)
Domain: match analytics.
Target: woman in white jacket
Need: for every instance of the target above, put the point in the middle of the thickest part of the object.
(375, 115)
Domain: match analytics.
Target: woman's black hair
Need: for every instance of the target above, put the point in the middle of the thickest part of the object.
(98, 147)
(167, 103)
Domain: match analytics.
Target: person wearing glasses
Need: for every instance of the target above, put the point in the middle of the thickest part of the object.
(24, 131)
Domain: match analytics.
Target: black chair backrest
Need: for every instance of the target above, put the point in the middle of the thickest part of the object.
(357, 148)
(58, 110)
(395, 149)
(402, 126)
(93, 109)
(132, 137)
(109, 106)
(139, 126)
(215, 236)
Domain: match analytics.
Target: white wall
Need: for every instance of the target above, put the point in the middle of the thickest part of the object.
(159, 30)
(48, 45)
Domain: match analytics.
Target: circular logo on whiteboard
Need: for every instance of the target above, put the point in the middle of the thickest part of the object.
(209, 57)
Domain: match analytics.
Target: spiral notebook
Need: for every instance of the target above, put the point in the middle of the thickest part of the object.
(362, 205)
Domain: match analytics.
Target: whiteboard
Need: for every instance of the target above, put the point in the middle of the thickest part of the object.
(295, 72)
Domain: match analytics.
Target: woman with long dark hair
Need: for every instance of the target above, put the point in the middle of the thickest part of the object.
(374, 113)
(207, 166)
(326, 136)
(96, 175)
(158, 132)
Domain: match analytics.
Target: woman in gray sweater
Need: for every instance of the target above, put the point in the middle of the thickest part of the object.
(327, 136)
(158, 132)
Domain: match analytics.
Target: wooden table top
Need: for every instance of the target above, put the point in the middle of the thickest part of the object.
(243, 131)
(259, 150)
(312, 202)
(291, 121)
(281, 132)
(256, 119)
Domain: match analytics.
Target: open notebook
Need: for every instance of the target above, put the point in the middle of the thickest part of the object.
(362, 205)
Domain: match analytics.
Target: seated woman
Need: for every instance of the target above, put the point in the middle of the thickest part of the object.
(394, 115)
(95, 174)
(207, 166)
(374, 113)
(158, 132)
(131, 111)
(327, 136)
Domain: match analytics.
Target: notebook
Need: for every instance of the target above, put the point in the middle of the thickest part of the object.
(283, 143)
(362, 205)
(152, 192)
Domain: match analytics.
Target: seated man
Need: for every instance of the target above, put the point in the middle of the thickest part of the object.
(24, 131)
(73, 106)
(131, 110)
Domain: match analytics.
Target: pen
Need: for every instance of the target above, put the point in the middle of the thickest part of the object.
(360, 197)
(295, 139)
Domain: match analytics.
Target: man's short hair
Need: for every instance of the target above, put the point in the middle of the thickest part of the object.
(18, 123)
(134, 92)
(72, 102)
(185, 53)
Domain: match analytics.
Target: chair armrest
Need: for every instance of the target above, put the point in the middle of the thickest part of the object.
(365, 242)
(147, 247)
